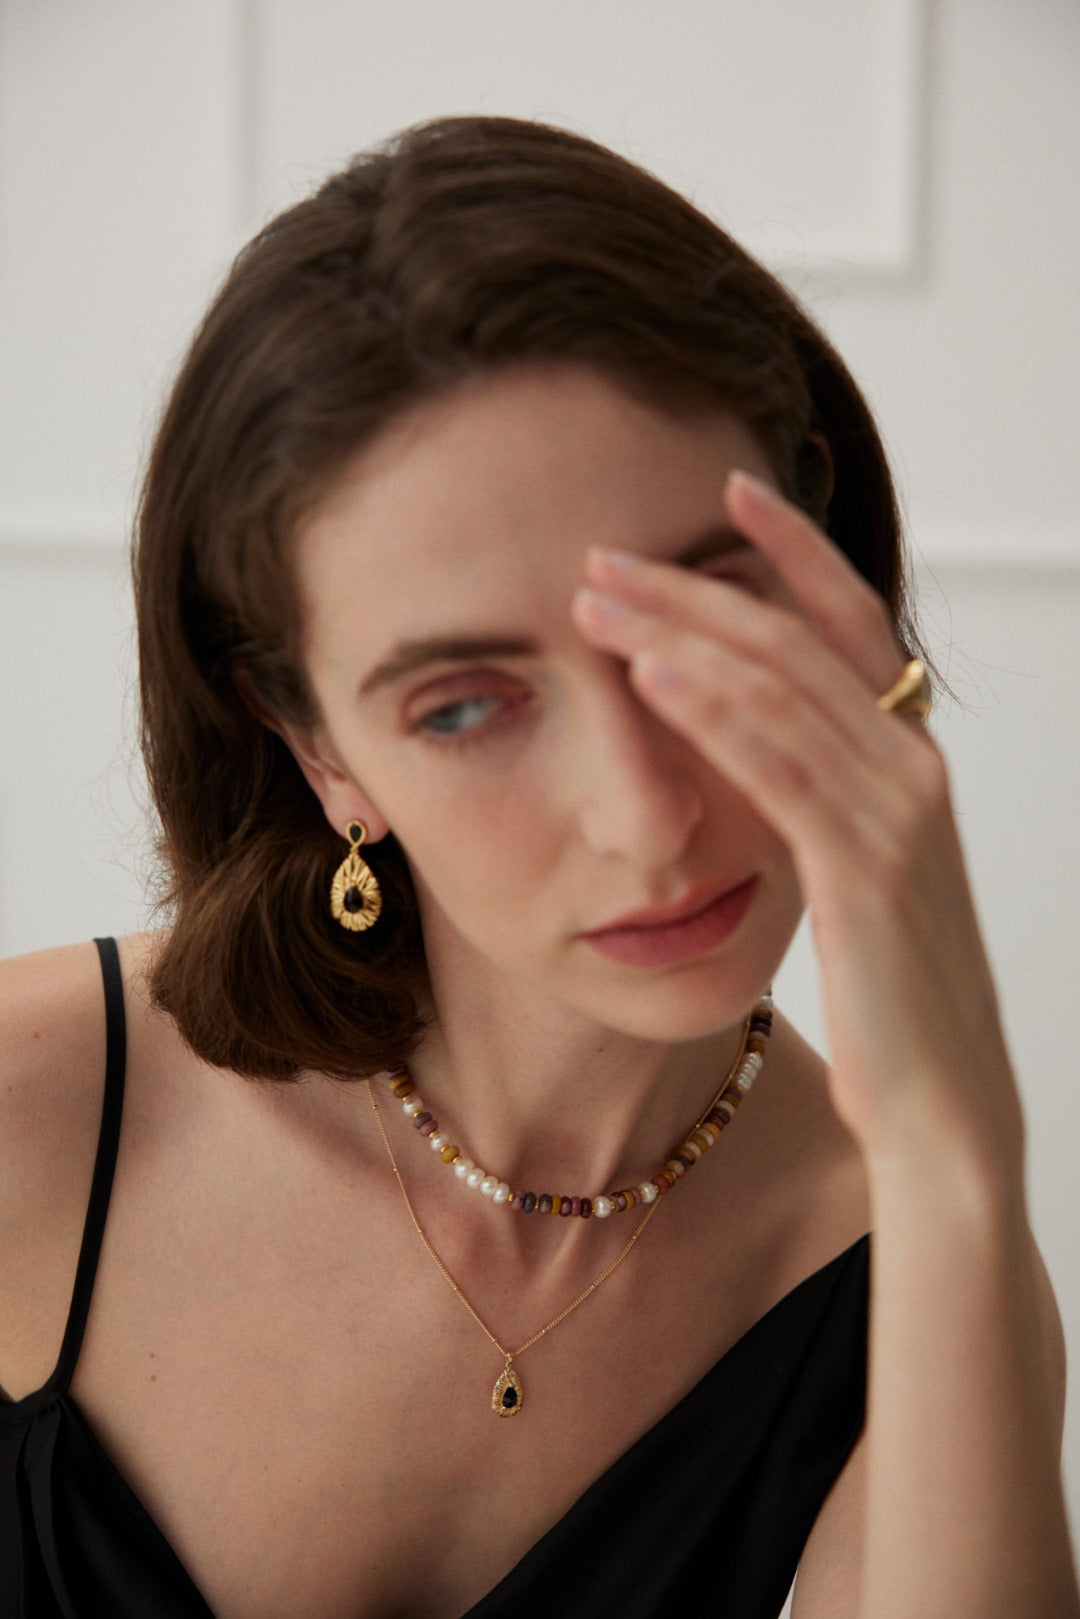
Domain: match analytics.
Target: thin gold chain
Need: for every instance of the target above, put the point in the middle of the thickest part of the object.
(512, 1354)
(507, 1354)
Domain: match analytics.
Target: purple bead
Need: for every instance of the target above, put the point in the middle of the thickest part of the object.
(565, 1208)
(528, 1202)
(420, 1120)
(543, 1204)
(575, 1205)
(518, 1200)
(428, 1128)
(586, 1207)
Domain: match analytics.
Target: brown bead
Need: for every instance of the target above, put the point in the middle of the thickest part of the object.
(543, 1203)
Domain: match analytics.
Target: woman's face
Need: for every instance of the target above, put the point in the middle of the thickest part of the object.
(537, 800)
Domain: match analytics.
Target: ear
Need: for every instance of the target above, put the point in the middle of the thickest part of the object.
(816, 474)
(342, 797)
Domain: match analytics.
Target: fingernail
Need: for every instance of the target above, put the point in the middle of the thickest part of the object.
(593, 601)
(755, 487)
(651, 670)
(617, 561)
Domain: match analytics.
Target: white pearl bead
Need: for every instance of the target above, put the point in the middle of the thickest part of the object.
(436, 1141)
(475, 1176)
(501, 1193)
(463, 1167)
(602, 1207)
(647, 1192)
(412, 1106)
(754, 1060)
(489, 1184)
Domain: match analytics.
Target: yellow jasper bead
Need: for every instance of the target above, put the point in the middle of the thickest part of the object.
(449, 1153)
(709, 1130)
(631, 1200)
(556, 1202)
(402, 1088)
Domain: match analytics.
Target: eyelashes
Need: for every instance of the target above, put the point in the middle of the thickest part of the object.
(459, 718)
(487, 703)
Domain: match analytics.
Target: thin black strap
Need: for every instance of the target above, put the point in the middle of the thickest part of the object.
(98, 1208)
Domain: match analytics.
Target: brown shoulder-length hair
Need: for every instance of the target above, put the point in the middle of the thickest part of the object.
(459, 246)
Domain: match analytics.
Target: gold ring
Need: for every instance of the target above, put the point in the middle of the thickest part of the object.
(911, 693)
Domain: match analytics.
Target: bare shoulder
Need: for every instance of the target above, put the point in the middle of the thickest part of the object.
(52, 1031)
(52, 1069)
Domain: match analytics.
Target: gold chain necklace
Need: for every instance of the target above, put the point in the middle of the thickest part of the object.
(508, 1395)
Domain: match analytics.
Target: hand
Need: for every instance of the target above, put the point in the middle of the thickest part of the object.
(778, 693)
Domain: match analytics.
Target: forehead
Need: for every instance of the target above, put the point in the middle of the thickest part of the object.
(485, 500)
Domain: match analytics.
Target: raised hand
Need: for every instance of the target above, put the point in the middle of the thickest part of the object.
(777, 689)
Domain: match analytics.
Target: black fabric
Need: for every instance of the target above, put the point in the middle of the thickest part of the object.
(708, 1512)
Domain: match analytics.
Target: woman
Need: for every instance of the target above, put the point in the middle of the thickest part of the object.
(524, 643)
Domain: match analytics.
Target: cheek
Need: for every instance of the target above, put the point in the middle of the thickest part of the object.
(475, 845)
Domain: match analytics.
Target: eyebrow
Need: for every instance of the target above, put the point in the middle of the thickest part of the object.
(407, 656)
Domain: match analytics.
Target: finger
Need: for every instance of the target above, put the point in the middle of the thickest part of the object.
(852, 615)
(833, 806)
(691, 613)
(827, 590)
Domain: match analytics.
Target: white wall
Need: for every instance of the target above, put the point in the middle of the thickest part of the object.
(911, 168)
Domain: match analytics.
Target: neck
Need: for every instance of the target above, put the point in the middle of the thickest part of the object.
(558, 1105)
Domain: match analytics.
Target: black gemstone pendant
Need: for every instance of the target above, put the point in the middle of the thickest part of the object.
(353, 900)
(508, 1396)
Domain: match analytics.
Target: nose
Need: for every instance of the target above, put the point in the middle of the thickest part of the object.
(640, 784)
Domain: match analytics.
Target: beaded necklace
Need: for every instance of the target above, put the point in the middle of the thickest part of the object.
(508, 1394)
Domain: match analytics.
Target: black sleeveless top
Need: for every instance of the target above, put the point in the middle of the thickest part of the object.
(708, 1511)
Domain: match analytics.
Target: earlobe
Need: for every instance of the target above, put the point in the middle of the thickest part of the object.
(342, 798)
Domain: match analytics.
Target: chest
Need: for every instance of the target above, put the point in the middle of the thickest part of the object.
(308, 1419)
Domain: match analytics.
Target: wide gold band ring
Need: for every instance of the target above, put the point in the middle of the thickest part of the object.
(911, 693)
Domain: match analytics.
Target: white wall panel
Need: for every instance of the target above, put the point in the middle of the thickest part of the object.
(73, 855)
(798, 125)
(119, 207)
(972, 364)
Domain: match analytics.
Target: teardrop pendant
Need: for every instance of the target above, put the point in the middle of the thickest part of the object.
(355, 895)
(508, 1395)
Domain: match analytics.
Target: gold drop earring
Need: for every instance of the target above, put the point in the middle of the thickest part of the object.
(355, 895)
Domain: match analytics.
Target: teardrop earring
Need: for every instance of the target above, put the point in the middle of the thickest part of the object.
(355, 895)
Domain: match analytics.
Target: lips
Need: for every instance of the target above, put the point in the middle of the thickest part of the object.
(662, 934)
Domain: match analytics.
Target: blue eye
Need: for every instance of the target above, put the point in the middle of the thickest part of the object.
(457, 717)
